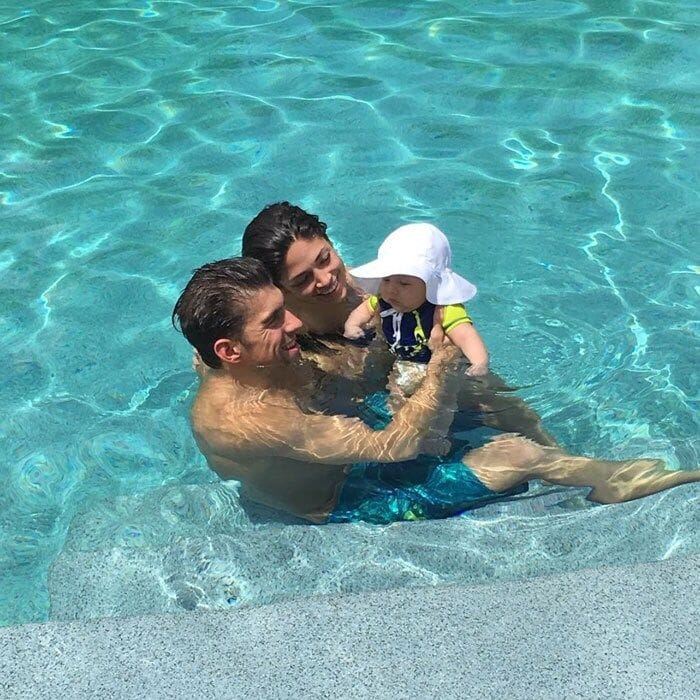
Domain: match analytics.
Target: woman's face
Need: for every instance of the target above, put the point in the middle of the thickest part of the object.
(314, 272)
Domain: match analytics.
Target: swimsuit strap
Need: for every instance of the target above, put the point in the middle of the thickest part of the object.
(396, 317)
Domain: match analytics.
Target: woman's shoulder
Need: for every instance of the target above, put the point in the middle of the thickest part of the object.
(320, 320)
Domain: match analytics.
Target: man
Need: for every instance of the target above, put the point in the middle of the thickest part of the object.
(256, 419)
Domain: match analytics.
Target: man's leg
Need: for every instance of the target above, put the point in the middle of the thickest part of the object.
(502, 409)
(509, 460)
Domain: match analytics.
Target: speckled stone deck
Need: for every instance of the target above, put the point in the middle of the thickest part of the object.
(624, 632)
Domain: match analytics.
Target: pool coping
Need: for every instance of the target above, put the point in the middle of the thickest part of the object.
(610, 632)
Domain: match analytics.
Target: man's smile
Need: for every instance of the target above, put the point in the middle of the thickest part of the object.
(292, 347)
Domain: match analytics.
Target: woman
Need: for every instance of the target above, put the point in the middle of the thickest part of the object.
(296, 250)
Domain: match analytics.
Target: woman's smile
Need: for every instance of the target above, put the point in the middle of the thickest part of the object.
(329, 289)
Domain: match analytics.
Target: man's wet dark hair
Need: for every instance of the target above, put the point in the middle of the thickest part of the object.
(269, 235)
(214, 303)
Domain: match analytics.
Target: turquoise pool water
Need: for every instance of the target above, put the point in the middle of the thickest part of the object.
(556, 142)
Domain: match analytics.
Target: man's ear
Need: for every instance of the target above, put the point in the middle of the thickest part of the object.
(228, 351)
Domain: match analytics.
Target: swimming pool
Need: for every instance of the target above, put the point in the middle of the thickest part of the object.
(554, 142)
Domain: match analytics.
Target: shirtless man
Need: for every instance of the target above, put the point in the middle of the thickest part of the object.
(254, 419)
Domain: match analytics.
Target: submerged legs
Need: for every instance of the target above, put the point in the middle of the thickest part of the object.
(510, 460)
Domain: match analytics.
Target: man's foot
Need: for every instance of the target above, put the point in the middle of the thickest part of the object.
(636, 478)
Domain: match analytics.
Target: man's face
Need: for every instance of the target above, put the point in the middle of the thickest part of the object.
(269, 336)
(314, 272)
(403, 292)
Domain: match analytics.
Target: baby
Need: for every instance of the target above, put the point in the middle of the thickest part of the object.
(413, 288)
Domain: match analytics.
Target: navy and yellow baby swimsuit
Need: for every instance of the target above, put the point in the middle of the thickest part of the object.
(408, 333)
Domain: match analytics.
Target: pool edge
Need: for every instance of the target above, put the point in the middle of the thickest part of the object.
(622, 631)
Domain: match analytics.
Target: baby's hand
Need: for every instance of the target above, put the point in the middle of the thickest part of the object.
(353, 331)
(478, 370)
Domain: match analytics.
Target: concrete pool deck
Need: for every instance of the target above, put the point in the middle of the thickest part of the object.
(622, 632)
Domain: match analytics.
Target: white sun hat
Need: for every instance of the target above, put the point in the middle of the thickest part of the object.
(419, 250)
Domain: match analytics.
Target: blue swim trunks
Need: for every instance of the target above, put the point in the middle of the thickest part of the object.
(420, 489)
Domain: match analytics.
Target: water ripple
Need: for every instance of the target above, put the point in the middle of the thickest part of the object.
(553, 141)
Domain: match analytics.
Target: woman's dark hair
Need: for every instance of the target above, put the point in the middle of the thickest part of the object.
(214, 303)
(269, 235)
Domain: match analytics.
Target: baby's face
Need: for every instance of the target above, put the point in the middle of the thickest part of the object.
(403, 292)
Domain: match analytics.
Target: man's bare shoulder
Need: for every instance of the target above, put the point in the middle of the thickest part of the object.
(220, 398)
(229, 418)
(214, 394)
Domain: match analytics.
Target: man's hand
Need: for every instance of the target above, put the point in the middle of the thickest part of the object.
(439, 342)
(443, 351)
(435, 446)
(437, 334)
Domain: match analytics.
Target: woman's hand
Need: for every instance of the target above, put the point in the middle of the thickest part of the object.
(198, 365)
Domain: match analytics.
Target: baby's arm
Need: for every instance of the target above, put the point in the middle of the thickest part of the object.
(357, 320)
(468, 340)
(460, 330)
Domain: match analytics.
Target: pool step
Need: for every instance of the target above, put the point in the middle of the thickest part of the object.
(156, 517)
(162, 515)
(267, 563)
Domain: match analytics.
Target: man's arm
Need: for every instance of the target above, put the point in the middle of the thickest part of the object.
(287, 432)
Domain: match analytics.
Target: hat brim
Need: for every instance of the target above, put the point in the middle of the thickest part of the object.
(374, 272)
(447, 287)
